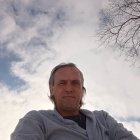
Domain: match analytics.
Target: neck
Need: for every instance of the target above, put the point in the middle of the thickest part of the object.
(65, 113)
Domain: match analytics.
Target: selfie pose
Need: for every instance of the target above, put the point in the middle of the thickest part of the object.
(68, 121)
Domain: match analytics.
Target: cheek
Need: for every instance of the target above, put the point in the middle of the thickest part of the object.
(55, 90)
(57, 94)
(80, 94)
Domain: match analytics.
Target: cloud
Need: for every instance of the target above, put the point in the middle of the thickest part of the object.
(6, 75)
(36, 36)
(109, 81)
(109, 86)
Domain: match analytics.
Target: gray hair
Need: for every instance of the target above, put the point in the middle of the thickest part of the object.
(62, 65)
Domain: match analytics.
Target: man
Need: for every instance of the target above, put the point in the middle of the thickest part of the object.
(68, 121)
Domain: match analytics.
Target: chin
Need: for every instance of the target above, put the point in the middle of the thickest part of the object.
(71, 107)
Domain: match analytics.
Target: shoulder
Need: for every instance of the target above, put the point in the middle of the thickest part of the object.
(99, 116)
(96, 113)
(105, 118)
(38, 114)
(114, 129)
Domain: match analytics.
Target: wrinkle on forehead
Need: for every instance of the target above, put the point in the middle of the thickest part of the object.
(68, 73)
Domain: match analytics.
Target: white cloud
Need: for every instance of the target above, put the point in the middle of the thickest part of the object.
(135, 126)
(45, 33)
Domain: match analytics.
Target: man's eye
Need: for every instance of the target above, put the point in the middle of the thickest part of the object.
(62, 83)
(76, 83)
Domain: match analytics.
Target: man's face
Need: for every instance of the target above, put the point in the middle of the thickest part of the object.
(67, 90)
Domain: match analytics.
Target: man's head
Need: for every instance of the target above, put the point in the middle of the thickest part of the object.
(66, 85)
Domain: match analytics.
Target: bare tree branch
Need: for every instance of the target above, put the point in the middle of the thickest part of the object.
(120, 26)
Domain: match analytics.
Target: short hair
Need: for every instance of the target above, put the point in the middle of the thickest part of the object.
(59, 66)
(62, 65)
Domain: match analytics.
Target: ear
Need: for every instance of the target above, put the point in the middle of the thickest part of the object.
(84, 89)
(51, 89)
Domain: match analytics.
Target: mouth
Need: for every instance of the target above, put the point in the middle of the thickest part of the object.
(69, 97)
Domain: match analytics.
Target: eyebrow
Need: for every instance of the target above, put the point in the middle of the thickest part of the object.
(72, 81)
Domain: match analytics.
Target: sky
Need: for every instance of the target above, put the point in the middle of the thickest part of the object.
(36, 35)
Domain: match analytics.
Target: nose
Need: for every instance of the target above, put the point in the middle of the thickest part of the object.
(69, 87)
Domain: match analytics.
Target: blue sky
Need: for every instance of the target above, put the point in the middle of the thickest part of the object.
(36, 35)
(6, 76)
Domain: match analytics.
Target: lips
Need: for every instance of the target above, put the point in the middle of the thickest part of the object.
(69, 96)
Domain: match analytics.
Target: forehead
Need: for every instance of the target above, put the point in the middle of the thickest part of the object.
(67, 73)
